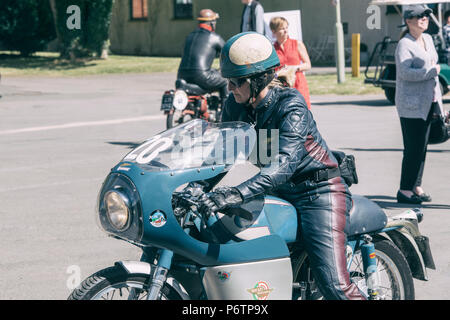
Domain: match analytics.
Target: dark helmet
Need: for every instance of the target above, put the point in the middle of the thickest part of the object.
(207, 15)
(247, 54)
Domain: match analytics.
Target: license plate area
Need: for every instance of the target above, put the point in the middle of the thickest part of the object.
(167, 102)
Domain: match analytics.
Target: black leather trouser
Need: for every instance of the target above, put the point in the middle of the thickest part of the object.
(323, 209)
(209, 80)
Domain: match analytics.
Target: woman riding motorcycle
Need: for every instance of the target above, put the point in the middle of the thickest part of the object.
(306, 173)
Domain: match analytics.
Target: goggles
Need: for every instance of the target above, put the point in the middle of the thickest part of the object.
(237, 82)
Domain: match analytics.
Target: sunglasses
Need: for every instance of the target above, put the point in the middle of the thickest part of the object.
(237, 82)
(423, 15)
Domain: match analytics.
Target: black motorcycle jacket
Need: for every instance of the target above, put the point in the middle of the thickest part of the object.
(200, 49)
(301, 149)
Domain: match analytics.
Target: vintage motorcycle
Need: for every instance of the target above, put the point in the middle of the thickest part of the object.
(188, 101)
(247, 253)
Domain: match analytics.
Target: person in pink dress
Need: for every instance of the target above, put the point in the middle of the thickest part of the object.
(293, 56)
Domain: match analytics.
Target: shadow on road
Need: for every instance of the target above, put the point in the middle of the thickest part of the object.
(129, 145)
(389, 149)
(364, 103)
(388, 202)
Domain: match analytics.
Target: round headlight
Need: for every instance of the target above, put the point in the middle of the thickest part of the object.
(180, 100)
(117, 210)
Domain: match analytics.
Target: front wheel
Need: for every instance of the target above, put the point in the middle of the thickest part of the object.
(114, 283)
(396, 281)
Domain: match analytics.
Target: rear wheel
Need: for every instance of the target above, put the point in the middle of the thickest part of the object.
(116, 284)
(396, 281)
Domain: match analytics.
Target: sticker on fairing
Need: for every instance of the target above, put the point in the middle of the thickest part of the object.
(260, 291)
(157, 219)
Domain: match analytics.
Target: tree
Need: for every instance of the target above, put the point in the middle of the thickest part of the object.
(82, 27)
(26, 25)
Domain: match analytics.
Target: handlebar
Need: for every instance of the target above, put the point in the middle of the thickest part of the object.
(188, 201)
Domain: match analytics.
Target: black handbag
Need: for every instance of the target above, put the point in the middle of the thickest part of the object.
(439, 129)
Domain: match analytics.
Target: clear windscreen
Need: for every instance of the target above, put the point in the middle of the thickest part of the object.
(194, 144)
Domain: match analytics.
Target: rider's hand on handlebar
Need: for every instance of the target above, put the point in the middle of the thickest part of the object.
(222, 198)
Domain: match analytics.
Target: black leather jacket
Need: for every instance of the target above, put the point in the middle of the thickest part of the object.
(200, 49)
(301, 147)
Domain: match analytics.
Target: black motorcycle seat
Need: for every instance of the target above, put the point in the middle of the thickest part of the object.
(190, 88)
(365, 217)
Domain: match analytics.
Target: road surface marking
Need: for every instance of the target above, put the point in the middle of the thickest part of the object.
(83, 124)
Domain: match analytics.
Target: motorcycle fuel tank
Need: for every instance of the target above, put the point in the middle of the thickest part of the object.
(271, 216)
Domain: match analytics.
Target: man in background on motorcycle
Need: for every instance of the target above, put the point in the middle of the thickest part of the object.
(307, 174)
(201, 47)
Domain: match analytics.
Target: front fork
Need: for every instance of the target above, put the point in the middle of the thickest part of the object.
(160, 275)
(370, 268)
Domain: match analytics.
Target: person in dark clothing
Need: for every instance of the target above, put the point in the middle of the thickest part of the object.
(252, 17)
(201, 47)
(304, 172)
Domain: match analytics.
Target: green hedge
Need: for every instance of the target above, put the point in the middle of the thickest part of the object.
(26, 25)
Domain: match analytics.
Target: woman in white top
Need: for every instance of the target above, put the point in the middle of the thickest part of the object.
(417, 93)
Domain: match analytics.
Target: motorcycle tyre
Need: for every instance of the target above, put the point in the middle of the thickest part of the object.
(169, 120)
(112, 276)
(387, 247)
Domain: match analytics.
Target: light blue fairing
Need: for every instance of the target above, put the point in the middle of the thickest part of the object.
(281, 217)
(272, 215)
(155, 190)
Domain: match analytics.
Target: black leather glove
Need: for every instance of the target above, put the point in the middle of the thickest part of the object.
(220, 199)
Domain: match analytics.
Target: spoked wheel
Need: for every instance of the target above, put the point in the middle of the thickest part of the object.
(176, 118)
(396, 281)
(115, 284)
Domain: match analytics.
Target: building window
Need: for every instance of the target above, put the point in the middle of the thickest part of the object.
(182, 9)
(138, 9)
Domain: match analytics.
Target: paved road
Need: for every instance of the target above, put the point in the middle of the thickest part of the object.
(60, 137)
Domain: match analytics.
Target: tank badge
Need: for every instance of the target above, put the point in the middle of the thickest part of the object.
(223, 276)
(157, 219)
(260, 291)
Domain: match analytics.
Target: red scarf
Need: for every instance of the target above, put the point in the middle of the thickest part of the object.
(205, 26)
